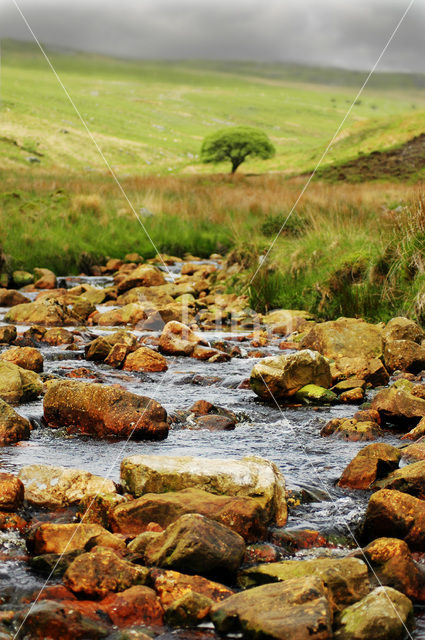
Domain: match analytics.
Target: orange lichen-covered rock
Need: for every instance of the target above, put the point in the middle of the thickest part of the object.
(244, 515)
(172, 585)
(393, 565)
(138, 605)
(391, 513)
(372, 462)
(101, 571)
(104, 411)
(145, 359)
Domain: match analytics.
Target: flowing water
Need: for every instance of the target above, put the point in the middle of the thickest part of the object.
(287, 436)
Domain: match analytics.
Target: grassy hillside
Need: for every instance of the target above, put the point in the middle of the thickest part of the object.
(151, 117)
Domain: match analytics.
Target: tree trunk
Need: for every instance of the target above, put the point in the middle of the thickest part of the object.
(235, 165)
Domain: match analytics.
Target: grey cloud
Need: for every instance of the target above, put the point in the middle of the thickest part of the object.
(327, 32)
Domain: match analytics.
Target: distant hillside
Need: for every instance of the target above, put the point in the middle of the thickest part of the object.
(151, 116)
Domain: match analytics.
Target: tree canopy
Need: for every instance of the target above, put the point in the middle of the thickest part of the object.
(236, 144)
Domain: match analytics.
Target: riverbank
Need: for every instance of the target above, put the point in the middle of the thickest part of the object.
(346, 250)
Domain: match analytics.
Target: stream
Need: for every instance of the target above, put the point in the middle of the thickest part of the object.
(287, 436)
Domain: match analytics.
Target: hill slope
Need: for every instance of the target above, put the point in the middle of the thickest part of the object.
(152, 116)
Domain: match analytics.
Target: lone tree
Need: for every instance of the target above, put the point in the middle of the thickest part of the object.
(236, 144)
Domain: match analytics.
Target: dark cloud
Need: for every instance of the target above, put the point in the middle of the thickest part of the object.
(326, 32)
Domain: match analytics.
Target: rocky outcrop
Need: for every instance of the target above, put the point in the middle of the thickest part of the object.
(346, 578)
(13, 427)
(280, 377)
(297, 608)
(104, 411)
(371, 463)
(243, 515)
(58, 487)
(18, 385)
(196, 544)
(248, 477)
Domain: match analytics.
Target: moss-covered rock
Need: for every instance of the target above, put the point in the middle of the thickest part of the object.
(297, 608)
(384, 614)
(346, 578)
(280, 377)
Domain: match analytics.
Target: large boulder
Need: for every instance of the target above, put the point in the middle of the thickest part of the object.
(47, 312)
(13, 427)
(196, 544)
(58, 487)
(100, 571)
(384, 614)
(345, 337)
(143, 276)
(178, 339)
(145, 359)
(393, 565)
(402, 403)
(371, 463)
(248, 477)
(409, 479)
(402, 329)
(243, 515)
(18, 385)
(391, 513)
(295, 609)
(104, 411)
(280, 377)
(346, 578)
(25, 357)
(404, 355)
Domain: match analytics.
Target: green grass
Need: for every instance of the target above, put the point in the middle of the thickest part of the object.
(151, 117)
(345, 251)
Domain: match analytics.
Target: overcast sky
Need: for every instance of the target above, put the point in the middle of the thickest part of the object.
(345, 33)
